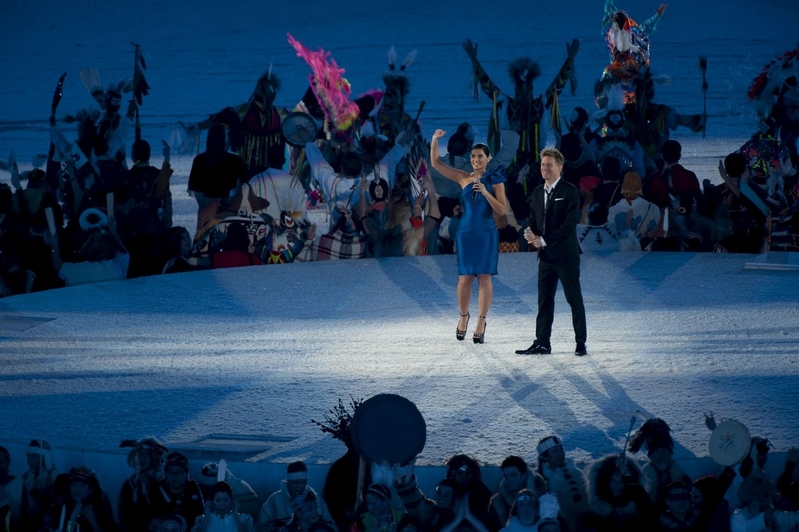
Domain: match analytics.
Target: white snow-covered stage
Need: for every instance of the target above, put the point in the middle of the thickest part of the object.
(262, 350)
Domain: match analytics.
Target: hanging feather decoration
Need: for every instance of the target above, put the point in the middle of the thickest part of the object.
(330, 88)
(653, 434)
(392, 57)
(140, 86)
(91, 81)
(409, 59)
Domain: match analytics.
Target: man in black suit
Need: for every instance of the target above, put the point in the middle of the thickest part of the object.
(552, 230)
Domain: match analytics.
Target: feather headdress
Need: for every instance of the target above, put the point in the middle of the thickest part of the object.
(772, 81)
(148, 443)
(653, 434)
(392, 59)
(337, 420)
(330, 88)
(523, 70)
(271, 79)
(399, 83)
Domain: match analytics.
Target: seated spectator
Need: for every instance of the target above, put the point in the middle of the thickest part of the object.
(431, 515)
(654, 436)
(177, 251)
(743, 206)
(634, 217)
(176, 493)
(243, 495)
(617, 500)
(608, 193)
(472, 495)
(515, 477)
(146, 457)
(101, 256)
(278, 508)
(306, 517)
(380, 516)
(215, 174)
(39, 480)
(788, 483)
(563, 479)
(679, 514)
(529, 509)
(86, 506)
(597, 234)
(708, 499)
(13, 496)
(222, 513)
(757, 513)
(672, 180)
(234, 251)
(688, 228)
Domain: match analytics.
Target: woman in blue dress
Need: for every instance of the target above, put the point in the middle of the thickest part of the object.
(477, 240)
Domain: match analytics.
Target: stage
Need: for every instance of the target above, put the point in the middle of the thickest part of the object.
(253, 354)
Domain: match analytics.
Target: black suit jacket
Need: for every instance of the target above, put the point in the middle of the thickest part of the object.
(558, 225)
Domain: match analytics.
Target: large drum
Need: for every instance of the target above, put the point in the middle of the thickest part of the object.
(729, 443)
(388, 428)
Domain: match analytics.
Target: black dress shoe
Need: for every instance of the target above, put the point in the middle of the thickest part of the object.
(535, 349)
(580, 350)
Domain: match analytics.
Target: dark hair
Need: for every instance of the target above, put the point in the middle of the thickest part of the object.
(4, 451)
(460, 460)
(215, 140)
(221, 487)
(237, 238)
(140, 151)
(671, 151)
(515, 461)
(610, 169)
(597, 213)
(735, 164)
(570, 146)
(579, 122)
(351, 164)
(458, 145)
(481, 146)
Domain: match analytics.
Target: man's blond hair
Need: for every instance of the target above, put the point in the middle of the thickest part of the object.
(554, 153)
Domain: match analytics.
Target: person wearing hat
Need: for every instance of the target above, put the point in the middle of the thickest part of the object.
(13, 496)
(529, 509)
(380, 516)
(680, 514)
(86, 506)
(516, 476)
(146, 458)
(279, 507)
(39, 479)
(176, 493)
(222, 513)
(634, 217)
(563, 479)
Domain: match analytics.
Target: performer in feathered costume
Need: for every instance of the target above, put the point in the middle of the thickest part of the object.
(392, 118)
(262, 143)
(523, 114)
(628, 44)
(654, 436)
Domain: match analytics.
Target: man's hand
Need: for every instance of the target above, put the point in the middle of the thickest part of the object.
(572, 48)
(470, 48)
(661, 9)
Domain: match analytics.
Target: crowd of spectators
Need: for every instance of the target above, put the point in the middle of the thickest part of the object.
(617, 492)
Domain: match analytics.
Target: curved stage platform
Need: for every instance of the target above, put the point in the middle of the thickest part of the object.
(246, 358)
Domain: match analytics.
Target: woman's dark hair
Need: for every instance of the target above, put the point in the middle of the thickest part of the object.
(460, 460)
(481, 146)
(174, 239)
(237, 238)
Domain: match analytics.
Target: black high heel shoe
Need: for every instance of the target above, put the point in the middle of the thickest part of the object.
(480, 338)
(461, 334)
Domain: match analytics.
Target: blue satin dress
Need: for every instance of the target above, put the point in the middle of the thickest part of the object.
(478, 238)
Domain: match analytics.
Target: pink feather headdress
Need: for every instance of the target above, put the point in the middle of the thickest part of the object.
(331, 89)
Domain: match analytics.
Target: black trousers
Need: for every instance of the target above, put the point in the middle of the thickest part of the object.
(567, 271)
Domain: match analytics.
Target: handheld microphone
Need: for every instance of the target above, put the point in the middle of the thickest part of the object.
(474, 192)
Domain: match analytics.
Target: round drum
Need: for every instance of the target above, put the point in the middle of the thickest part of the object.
(729, 443)
(389, 428)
